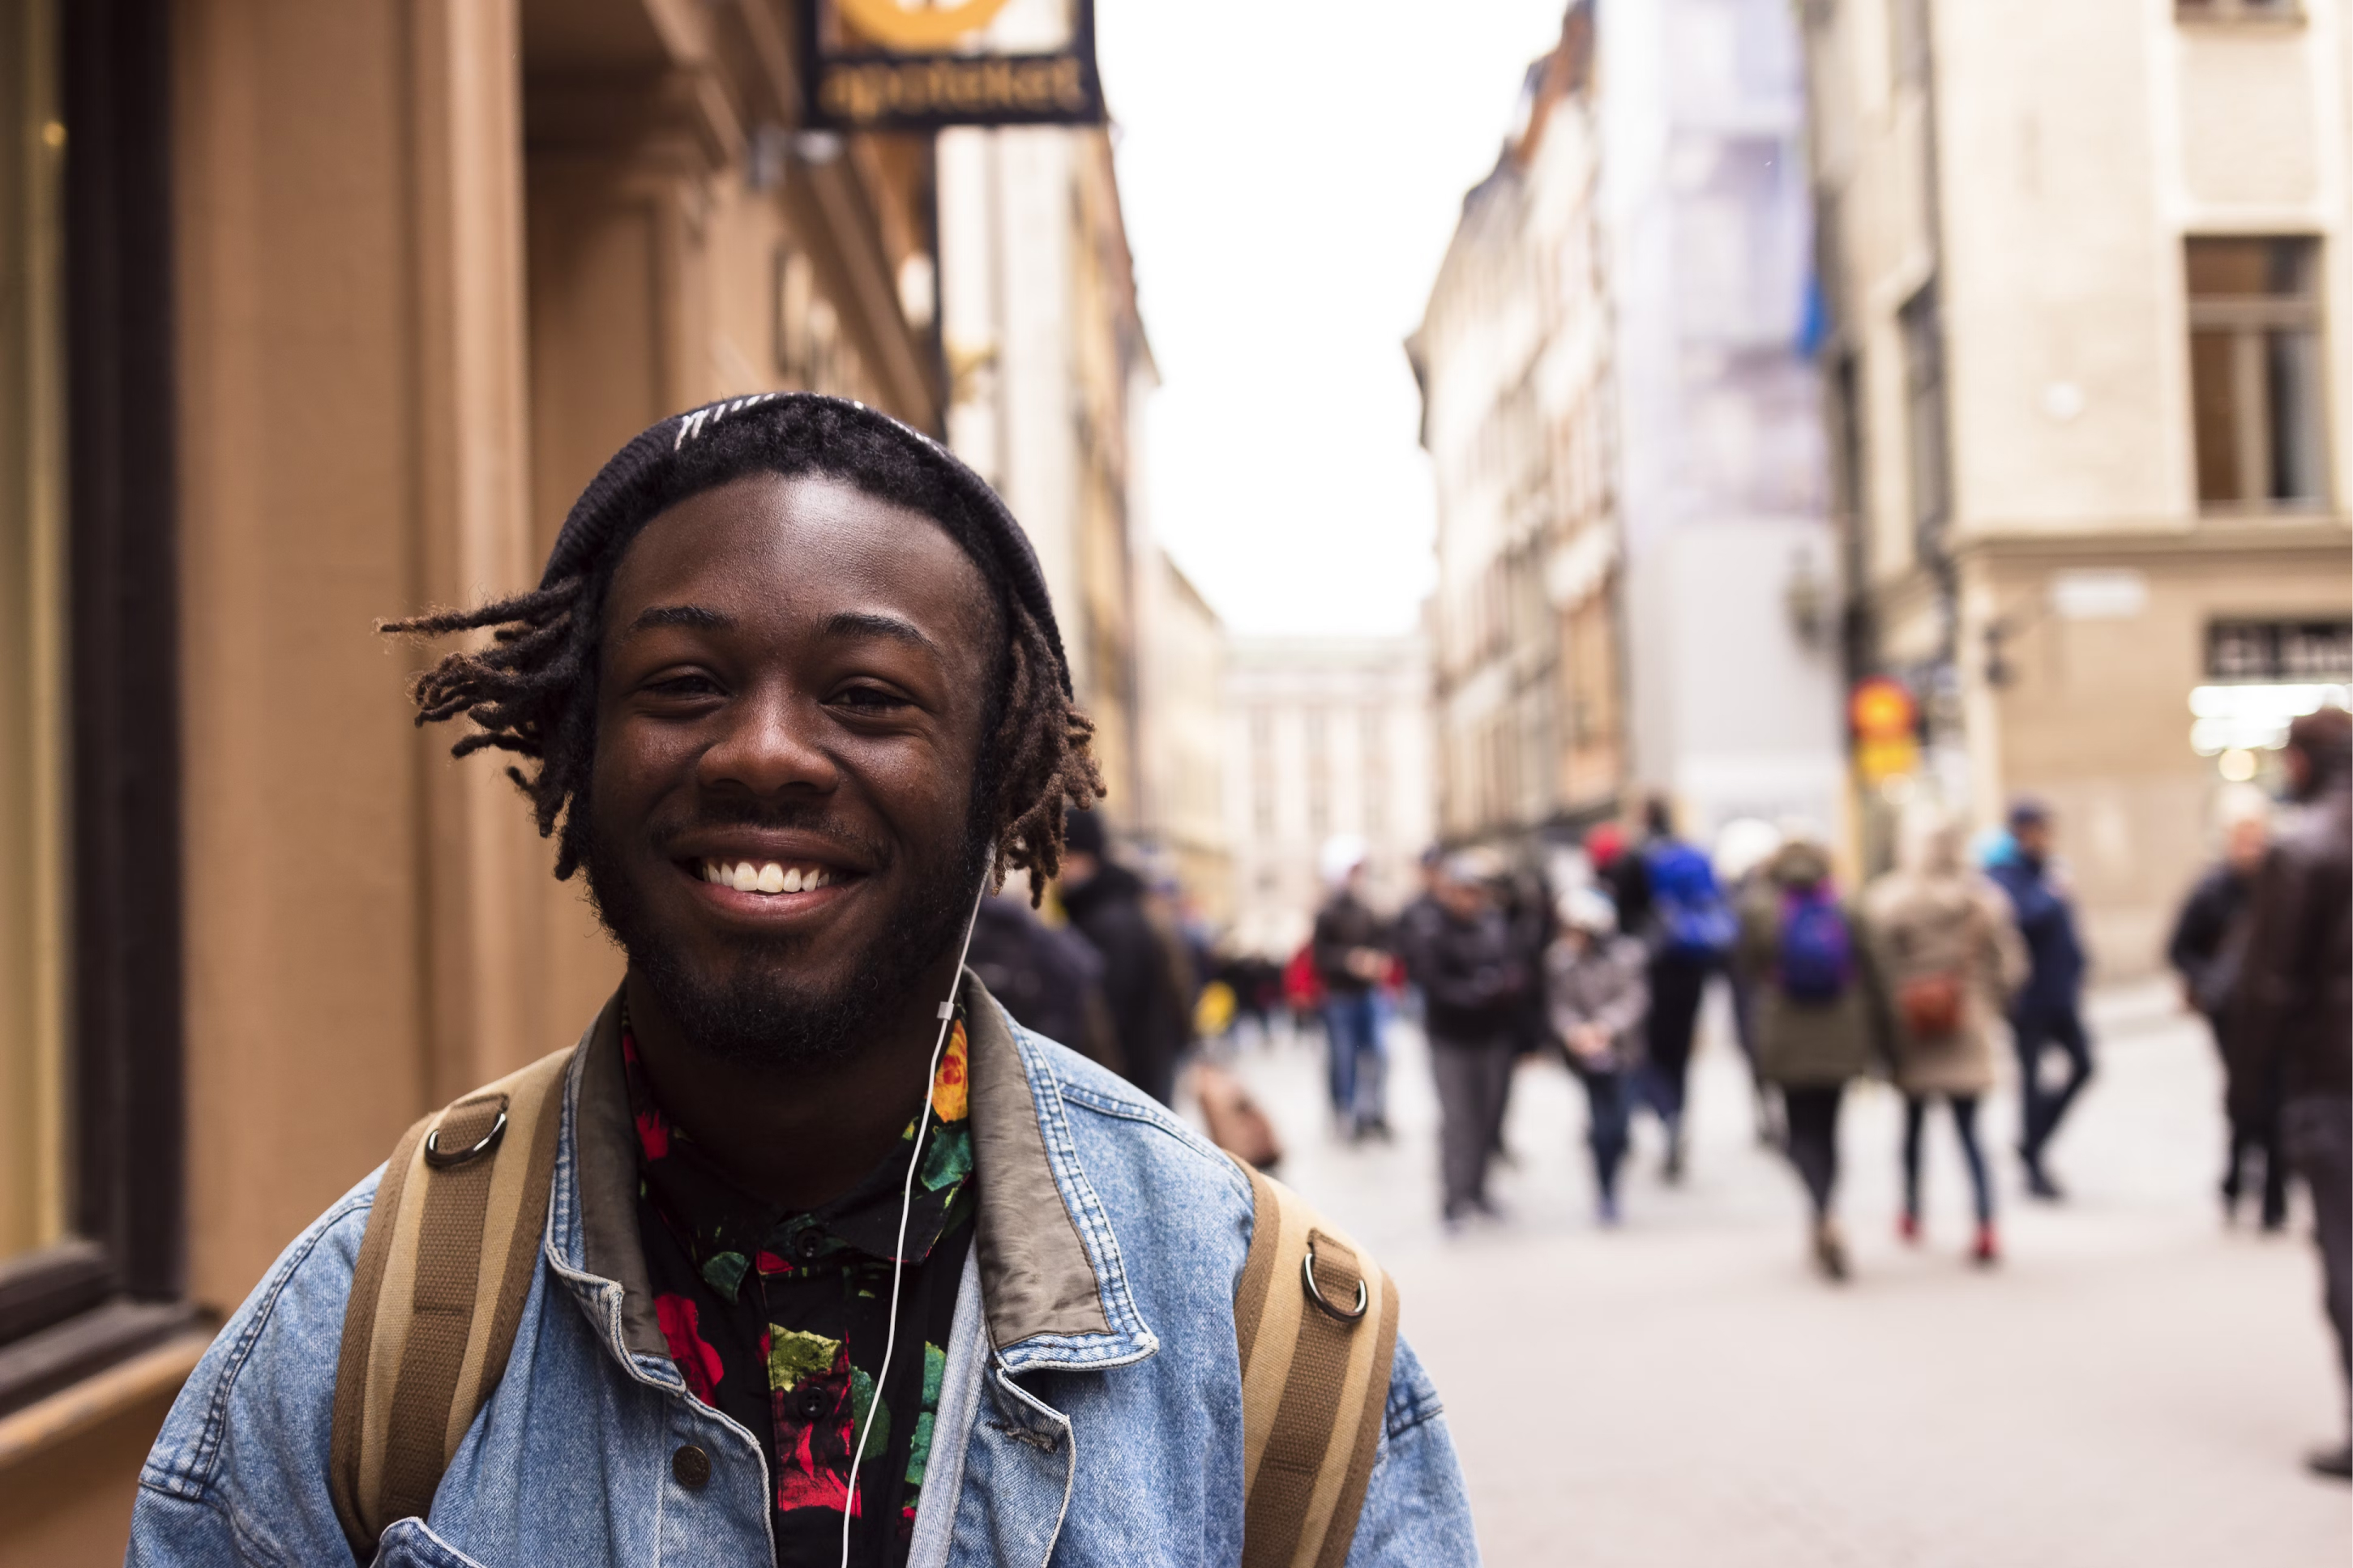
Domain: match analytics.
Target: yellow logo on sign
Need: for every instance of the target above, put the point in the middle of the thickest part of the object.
(897, 25)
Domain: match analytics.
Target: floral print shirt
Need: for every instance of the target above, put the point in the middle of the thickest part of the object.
(777, 1321)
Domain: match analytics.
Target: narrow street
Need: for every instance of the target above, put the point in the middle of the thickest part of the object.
(2133, 1386)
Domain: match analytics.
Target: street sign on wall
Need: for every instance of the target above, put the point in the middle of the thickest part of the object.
(903, 65)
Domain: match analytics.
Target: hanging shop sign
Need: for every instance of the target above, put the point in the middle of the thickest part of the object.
(1886, 724)
(903, 65)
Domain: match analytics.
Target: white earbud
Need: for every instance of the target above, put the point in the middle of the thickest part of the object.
(906, 1202)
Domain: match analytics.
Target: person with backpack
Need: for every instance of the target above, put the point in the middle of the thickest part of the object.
(1818, 1018)
(1689, 927)
(1951, 958)
(1595, 997)
(806, 1252)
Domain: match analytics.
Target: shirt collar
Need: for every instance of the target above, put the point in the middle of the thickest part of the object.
(1053, 1279)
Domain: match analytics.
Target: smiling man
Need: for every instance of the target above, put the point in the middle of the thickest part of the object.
(806, 1253)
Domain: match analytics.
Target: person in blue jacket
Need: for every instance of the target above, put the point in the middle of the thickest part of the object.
(2047, 1015)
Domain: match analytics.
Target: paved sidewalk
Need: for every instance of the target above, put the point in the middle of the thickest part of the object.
(2132, 1386)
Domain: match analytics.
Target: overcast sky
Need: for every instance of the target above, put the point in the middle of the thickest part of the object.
(1292, 171)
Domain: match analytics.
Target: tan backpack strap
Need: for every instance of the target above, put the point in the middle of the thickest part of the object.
(451, 1248)
(1315, 1320)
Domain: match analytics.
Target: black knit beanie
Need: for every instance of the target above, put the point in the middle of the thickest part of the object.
(638, 481)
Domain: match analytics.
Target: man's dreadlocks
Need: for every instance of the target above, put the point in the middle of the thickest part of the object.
(533, 690)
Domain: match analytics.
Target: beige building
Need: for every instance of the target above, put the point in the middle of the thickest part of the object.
(1050, 373)
(1324, 738)
(1184, 739)
(1623, 424)
(2092, 400)
(1513, 357)
(361, 294)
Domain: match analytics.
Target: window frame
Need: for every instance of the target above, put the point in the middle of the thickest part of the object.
(2246, 319)
(2241, 12)
(118, 1286)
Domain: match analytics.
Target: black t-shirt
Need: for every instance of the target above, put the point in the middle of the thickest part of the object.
(777, 1321)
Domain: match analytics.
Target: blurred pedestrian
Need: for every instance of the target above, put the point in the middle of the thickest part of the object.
(1689, 929)
(1595, 997)
(2205, 952)
(1950, 957)
(1144, 979)
(1742, 847)
(1460, 952)
(2293, 1006)
(1818, 1018)
(1351, 954)
(2048, 1012)
(1050, 979)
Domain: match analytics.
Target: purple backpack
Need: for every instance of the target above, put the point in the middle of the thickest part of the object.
(1817, 957)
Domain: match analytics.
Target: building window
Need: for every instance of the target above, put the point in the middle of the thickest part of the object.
(1372, 743)
(1910, 39)
(2238, 10)
(2254, 372)
(90, 1101)
(1319, 775)
(1923, 403)
(1262, 763)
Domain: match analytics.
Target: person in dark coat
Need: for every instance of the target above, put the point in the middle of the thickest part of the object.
(2204, 954)
(2047, 1014)
(1050, 980)
(1143, 986)
(2293, 1006)
(1459, 951)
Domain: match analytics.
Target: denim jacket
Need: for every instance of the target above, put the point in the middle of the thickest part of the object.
(1092, 1377)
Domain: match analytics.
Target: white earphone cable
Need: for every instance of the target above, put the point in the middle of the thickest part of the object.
(906, 1202)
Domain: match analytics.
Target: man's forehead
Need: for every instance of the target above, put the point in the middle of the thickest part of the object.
(795, 523)
(796, 537)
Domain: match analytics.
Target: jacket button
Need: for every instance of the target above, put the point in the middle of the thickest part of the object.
(691, 1467)
(807, 1244)
(813, 1405)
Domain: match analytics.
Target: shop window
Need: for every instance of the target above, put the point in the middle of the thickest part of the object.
(33, 909)
(2280, 651)
(2255, 372)
(90, 1230)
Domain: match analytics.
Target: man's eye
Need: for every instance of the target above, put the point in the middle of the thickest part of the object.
(870, 699)
(689, 685)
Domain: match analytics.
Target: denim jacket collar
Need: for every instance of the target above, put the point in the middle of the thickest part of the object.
(1053, 1283)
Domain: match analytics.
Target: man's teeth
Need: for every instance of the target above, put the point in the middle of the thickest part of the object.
(766, 877)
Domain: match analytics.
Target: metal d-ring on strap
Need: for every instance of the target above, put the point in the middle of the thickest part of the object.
(1316, 1294)
(435, 1157)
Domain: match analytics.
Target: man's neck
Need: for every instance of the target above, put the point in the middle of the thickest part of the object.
(796, 1136)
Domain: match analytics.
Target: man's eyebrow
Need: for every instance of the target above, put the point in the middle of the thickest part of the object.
(874, 623)
(698, 616)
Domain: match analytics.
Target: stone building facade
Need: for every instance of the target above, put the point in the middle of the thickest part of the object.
(2092, 422)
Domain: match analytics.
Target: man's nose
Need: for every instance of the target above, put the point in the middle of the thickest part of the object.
(774, 744)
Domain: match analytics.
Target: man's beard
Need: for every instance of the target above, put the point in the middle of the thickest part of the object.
(756, 1012)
